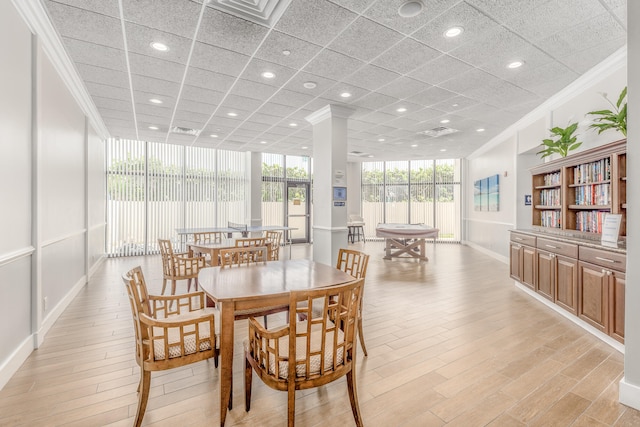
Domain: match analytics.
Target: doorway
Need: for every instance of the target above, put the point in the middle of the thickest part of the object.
(298, 201)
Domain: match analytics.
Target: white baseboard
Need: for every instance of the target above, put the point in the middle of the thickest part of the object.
(15, 361)
(629, 394)
(584, 325)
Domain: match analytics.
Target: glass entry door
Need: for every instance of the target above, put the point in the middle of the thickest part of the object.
(298, 198)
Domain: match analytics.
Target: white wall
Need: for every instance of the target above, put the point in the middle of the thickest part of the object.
(514, 151)
(52, 190)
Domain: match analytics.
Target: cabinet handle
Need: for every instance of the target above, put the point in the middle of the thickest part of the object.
(606, 259)
(518, 238)
(551, 246)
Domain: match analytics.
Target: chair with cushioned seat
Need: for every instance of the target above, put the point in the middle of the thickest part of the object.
(355, 263)
(170, 331)
(308, 353)
(179, 266)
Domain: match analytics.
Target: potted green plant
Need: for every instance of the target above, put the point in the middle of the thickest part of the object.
(612, 119)
(564, 141)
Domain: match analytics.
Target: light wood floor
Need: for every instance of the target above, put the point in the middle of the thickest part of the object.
(451, 342)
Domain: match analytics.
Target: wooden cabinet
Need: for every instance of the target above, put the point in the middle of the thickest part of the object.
(579, 277)
(576, 192)
(522, 258)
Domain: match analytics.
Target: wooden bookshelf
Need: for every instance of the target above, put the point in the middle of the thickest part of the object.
(573, 194)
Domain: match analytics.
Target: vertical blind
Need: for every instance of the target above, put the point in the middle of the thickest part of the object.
(155, 188)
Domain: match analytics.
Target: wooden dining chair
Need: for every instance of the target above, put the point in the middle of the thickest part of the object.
(170, 331)
(309, 353)
(246, 256)
(208, 237)
(355, 263)
(179, 266)
(273, 238)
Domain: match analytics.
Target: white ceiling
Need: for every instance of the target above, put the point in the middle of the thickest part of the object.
(216, 58)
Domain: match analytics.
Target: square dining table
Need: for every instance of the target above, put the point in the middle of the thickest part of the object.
(255, 286)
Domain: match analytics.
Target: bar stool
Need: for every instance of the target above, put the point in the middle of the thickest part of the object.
(355, 228)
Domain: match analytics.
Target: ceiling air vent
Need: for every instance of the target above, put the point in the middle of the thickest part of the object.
(439, 131)
(185, 131)
(263, 12)
(359, 154)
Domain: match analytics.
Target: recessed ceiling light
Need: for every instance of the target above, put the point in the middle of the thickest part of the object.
(401, 110)
(268, 75)
(410, 9)
(443, 149)
(515, 64)
(286, 52)
(480, 130)
(304, 148)
(232, 114)
(370, 155)
(155, 101)
(293, 125)
(310, 85)
(445, 121)
(161, 47)
(380, 139)
(213, 135)
(345, 95)
(153, 127)
(263, 142)
(454, 105)
(414, 145)
(453, 32)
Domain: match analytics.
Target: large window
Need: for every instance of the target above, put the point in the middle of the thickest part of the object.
(409, 192)
(153, 188)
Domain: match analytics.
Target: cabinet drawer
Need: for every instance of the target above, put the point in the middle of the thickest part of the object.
(523, 239)
(610, 260)
(560, 248)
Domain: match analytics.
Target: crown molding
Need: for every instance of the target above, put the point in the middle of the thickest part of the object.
(330, 110)
(36, 18)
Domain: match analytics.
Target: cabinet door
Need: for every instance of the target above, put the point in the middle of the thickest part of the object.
(617, 282)
(546, 274)
(567, 283)
(516, 261)
(593, 296)
(528, 270)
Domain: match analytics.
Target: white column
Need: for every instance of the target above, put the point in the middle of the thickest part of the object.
(630, 384)
(330, 170)
(254, 199)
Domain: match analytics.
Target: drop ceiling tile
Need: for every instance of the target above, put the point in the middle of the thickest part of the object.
(365, 40)
(490, 47)
(291, 98)
(377, 118)
(139, 39)
(156, 68)
(97, 55)
(119, 123)
(154, 110)
(454, 104)
(316, 21)
(296, 83)
(584, 60)
(333, 65)
(255, 90)
(432, 96)
(371, 77)
(375, 101)
(256, 67)
(197, 118)
(276, 110)
(170, 16)
(217, 59)
(403, 87)
(196, 107)
(469, 80)
(334, 93)
(532, 78)
(209, 80)
(300, 51)
(386, 12)
(106, 91)
(236, 102)
(142, 97)
(115, 114)
(555, 17)
(90, 73)
(505, 10)
(406, 56)
(571, 41)
(84, 25)
(473, 21)
(531, 55)
(98, 6)
(198, 94)
(227, 31)
(156, 86)
(440, 69)
(267, 119)
(256, 126)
